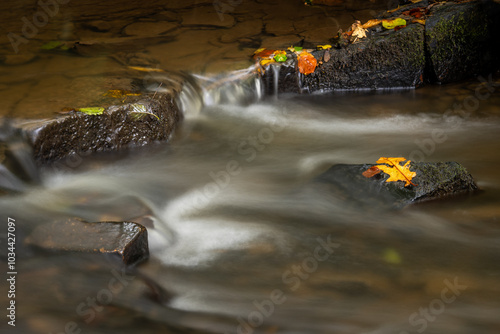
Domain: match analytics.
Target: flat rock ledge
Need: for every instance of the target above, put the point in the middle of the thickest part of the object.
(458, 40)
(126, 240)
(433, 181)
(140, 121)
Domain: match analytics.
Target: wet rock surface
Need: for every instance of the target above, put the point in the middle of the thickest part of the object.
(127, 240)
(460, 40)
(457, 41)
(433, 181)
(140, 122)
(390, 60)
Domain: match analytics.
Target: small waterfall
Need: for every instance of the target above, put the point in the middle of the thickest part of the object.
(193, 91)
(276, 77)
(241, 87)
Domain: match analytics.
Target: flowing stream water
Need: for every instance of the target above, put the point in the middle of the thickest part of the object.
(242, 241)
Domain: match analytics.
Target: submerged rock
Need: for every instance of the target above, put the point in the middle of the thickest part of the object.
(127, 240)
(433, 181)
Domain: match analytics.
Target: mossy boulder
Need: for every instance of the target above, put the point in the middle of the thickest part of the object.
(460, 40)
(432, 181)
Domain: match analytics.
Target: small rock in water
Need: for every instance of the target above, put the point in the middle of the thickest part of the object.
(433, 181)
(128, 240)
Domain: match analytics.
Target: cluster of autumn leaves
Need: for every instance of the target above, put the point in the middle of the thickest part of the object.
(307, 63)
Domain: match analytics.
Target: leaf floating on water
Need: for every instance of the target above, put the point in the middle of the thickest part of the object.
(396, 171)
(91, 110)
(307, 63)
(391, 24)
(118, 93)
(374, 170)
(52, 45)
(139, 111)
(391, 256)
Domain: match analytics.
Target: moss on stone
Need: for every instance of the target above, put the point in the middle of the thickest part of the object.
(456, 36)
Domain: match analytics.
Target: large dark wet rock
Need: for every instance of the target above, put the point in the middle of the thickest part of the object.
(388, 60)
(119, 126)
(392, 59)
(458, 40)
(433, 181)
(127, 240)
(461, 40)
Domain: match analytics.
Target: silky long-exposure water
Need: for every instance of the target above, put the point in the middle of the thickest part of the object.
(242, 241)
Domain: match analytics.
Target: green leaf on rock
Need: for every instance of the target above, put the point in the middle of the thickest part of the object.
(91, 110)
(280, 56)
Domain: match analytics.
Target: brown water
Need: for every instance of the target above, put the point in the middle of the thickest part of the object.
(240, 239)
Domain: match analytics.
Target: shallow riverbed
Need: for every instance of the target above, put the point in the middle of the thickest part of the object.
(243, 242)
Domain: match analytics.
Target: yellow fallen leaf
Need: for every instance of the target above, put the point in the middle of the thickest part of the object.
(415, 1)
(391, 24)
(371, 23)
(259, 50)
(396, 171)
(265, 62)
(91, 110)
(145, 69)
(422, 22)
(118, 93)
(324, 47)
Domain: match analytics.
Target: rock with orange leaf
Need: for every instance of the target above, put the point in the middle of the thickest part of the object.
(394, 182)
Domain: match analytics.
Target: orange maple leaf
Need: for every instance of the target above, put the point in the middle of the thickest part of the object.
(396, 171)
(307, 63)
